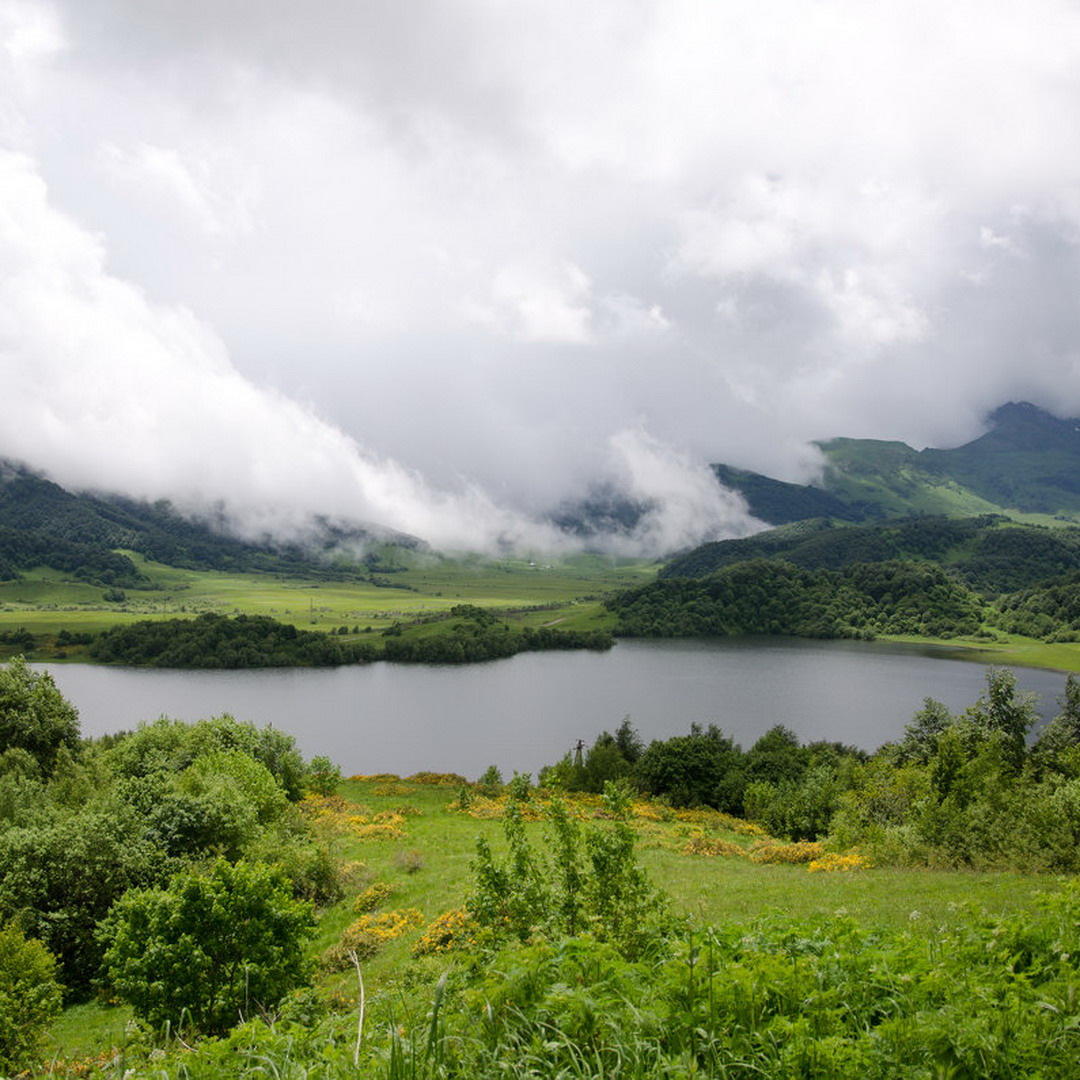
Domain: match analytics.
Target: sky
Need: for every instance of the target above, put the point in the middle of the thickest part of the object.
(446, 267)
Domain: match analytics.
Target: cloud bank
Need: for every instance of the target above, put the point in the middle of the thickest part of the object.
(446, 267)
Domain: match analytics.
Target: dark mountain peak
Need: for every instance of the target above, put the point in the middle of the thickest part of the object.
(1019, 425)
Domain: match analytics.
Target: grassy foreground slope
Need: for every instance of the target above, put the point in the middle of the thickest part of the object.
(766, 928)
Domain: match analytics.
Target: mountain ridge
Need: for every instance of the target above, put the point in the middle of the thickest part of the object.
(1026, 463)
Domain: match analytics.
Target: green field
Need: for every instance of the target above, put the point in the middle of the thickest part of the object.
(564, 593)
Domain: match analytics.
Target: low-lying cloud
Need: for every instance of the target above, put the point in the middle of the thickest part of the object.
(451, 268)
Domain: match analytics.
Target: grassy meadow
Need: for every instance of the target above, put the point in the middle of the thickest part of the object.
(411, 843)
(566, 593)
(563, 593)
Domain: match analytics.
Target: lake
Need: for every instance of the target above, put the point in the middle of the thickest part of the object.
(529, 710)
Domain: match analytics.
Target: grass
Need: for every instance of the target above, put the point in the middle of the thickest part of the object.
(564, 593)
(1010, 650)
(428, 867)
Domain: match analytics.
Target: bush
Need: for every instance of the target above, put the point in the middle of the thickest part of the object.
(30, 999)
(210, 948)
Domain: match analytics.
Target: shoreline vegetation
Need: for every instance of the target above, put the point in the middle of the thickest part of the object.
(196, 900)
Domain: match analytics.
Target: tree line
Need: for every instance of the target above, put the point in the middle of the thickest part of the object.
(968, 789)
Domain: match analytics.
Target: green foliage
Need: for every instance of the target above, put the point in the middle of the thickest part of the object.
(471, 633)
(323, 776)
(766, 596)
(30, 999)
(610, 758)
(210, 948)
(1058, 740)
(1003, 714)
(170, 746)
(34, 715)
(588, 880)
(216, 641)
(704, 768)
(61, 876)
(491, 782)
(991, 997)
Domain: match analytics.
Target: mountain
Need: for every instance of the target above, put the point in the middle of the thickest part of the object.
(1027, 463)
(43, 524)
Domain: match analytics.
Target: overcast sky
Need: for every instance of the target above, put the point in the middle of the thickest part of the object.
(443, 265)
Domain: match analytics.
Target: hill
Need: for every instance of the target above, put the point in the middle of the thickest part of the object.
(1027, 463)
(43, 524)
(929, 577)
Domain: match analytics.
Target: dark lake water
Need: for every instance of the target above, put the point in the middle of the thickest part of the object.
(527, 711)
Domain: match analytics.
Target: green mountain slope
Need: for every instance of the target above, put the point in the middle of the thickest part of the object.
(1028, 462)
(989, 554)
(43, 524)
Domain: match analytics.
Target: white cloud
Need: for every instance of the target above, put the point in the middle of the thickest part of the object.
(482, 240)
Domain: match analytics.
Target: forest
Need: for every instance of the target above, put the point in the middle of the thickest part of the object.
(465, 634)
(975, 578)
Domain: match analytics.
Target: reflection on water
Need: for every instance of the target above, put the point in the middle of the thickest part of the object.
(527, 711)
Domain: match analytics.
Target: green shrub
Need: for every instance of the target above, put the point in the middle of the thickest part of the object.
(209, 949)
(30, 999)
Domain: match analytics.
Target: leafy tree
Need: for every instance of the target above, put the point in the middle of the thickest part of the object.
(704, 768)
(30, 999)
(1004, 713)
(323, 775)
(491, 783)
(1062, 734)
(34, 715)
(922, 734)
(170, 746)
(212, 947)
(61, 877)
(777, 756)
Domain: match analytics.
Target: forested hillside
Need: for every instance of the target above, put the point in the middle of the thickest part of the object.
(930, 577)
(42, 524)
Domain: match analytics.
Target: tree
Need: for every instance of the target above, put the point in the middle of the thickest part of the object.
(1004, 713)
(704, 768)
(61, 877)
(1061, 734)
(30, 999)
(34, 715)
(211, 948)
(921, 735)
(323, 775)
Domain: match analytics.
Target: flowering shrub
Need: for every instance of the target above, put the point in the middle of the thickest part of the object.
(649, 811)
(717, 819)
(710, 845)
(437, 778)
(367, 935)
(333, 812)
(802, 851)
(450, 930)
(834, 863)
(373, 897)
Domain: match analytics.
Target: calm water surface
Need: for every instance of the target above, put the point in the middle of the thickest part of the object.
(527, 711)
